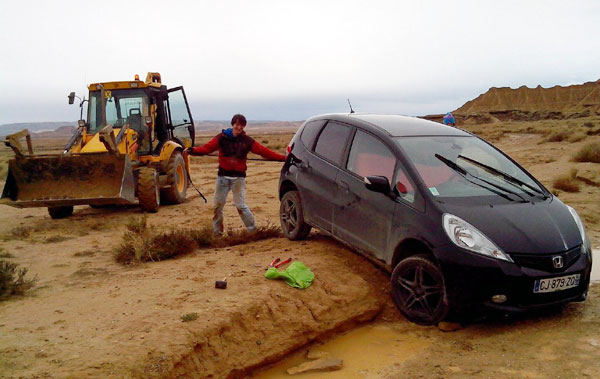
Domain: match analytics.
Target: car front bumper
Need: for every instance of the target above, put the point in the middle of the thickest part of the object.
(472, 280)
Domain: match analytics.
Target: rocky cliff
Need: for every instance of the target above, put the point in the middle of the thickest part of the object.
(566, 100)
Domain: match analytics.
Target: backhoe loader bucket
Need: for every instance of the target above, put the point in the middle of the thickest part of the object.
(74, 179)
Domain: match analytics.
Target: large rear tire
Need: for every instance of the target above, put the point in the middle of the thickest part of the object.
(291, 217)
(177, 181)
(419, 291)
(148, 194)
(60, 212)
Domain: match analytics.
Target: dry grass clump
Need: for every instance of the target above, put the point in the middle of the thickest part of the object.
(590, 152)
(143, 243)
(557, 136)
(5, 254)
(12, 280)
(189, 317)
(567, 183)
(576, 137)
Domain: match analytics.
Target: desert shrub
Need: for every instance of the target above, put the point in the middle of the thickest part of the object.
(589, 124)
(137, 225)
(588, 153)
(141, 243)
(189, 317)
(5, 254)
(567, 183)
(558, 136)
(12, 280)
(57, 238)
(20, 232)
(576, 137)
(239, 237)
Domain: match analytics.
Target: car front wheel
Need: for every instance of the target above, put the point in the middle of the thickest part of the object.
(292, 218)
(418, 290)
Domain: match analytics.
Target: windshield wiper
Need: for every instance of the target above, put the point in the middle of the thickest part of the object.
(509, 178)
(464, 173)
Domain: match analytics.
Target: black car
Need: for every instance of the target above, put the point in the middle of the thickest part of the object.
(457, 222)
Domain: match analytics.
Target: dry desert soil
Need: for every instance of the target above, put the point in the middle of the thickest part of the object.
(89, 316)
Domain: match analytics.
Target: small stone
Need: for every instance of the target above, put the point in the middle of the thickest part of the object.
(316, 354)
(259, 342)
(446, 326)
(323, 364)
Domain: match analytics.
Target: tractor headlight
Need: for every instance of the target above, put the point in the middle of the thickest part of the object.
(465, 235)
(579, 223)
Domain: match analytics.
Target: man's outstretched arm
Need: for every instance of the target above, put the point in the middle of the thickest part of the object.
(207, 148)
(266, 153)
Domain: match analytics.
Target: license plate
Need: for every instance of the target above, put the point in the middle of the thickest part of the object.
(556, 284)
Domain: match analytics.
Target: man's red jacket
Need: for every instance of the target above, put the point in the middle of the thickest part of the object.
(233, 152)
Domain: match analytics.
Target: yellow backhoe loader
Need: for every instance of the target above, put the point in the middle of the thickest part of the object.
(129, 151)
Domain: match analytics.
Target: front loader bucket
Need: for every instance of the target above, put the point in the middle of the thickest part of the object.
(74, 179)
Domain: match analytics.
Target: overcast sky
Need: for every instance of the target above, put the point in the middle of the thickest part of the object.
(288, 60)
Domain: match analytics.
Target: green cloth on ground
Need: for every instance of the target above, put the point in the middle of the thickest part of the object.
(296, 275)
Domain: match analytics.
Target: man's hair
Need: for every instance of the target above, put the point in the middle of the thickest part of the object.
(238, 118)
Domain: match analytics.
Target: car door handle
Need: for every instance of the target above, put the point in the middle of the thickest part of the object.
(344, 185)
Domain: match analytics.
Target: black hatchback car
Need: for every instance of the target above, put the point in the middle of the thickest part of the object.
(457, 222)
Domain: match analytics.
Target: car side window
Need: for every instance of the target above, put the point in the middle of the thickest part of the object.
(404, 186)
(370, 157)
(310, 131)
(332, 142)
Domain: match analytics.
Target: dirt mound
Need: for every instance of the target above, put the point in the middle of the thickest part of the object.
(582, 98)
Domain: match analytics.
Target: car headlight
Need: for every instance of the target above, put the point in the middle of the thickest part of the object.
(579, 223)
(468, 237)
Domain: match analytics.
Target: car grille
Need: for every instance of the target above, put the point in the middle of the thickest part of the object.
(544, 262)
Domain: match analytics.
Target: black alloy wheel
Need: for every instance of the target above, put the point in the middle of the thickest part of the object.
(418, 290)
(292, 218)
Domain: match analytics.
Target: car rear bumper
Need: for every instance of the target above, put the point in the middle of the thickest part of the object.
(472, 280)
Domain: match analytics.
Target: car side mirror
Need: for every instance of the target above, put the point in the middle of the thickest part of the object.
(71, 97)
(378, 184)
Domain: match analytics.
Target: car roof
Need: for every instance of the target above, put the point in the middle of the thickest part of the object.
(396, 125)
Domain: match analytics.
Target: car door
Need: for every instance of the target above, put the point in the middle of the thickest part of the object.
(362, 217)
(318, 172)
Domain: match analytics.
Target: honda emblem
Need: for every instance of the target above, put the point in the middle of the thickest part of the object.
(557, 261)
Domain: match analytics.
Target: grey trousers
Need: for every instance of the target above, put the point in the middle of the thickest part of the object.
(238, 187)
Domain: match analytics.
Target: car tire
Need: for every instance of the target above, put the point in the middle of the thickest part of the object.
(291, 217)
(419, 291)
(60, 212)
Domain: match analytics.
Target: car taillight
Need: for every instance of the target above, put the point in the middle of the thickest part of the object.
(288, 150)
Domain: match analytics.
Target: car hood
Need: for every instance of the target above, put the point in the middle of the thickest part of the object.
(543, 227)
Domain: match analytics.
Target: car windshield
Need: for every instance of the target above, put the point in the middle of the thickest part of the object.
(452, 166)
(128, 106)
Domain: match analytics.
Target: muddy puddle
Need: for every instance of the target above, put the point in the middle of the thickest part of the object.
(365, 352)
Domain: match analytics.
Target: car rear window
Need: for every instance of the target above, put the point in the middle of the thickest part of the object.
(310, 131)
(332, 142)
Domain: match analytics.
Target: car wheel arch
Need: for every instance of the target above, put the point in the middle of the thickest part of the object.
(410, 247)
(286, 186)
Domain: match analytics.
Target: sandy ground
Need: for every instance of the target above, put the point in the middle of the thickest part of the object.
(91, 317)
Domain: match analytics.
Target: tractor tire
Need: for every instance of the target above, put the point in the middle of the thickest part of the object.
(177, 180)
(147, 189)
(60, 212)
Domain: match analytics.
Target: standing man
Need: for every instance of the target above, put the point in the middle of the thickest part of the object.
(233, 145)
